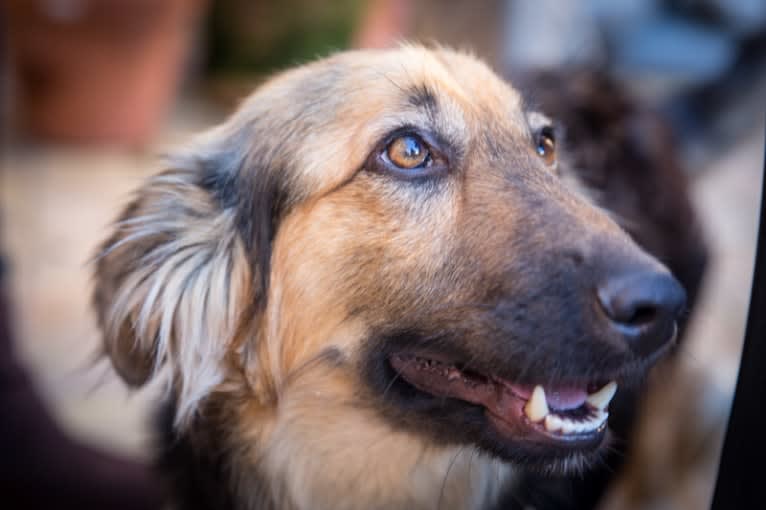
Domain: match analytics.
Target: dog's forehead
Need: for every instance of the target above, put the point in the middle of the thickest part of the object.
(367, 94)
(318, 123)
(418, 76)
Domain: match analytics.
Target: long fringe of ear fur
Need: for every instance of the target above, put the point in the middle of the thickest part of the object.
(170, 283)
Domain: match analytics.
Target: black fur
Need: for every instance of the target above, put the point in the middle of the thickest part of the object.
(258, 195)
(197, 466)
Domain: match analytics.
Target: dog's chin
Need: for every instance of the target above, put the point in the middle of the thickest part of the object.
(549, 428)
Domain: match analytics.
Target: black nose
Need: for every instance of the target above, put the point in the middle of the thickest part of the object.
(644, 307)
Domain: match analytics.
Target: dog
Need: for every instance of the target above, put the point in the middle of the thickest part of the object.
(374, 286)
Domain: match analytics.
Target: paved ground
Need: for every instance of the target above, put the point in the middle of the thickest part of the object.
(56, 204)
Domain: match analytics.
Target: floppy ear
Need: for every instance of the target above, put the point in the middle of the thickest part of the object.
(187, 258)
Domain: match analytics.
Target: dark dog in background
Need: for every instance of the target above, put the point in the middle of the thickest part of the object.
(375, 287)
(629, 157)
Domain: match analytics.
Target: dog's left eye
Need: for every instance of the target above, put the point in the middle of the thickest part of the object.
(546, 145)
(408, 152)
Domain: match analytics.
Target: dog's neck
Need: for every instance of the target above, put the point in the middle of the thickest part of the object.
(315, 450)
(341, 458)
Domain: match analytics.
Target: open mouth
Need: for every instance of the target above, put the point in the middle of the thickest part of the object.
(570, 415)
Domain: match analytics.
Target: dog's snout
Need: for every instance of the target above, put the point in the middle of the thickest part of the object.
(643, 307)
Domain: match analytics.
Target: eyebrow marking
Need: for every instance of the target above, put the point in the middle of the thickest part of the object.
(421, 96)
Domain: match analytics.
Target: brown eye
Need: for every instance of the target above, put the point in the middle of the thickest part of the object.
(408, 152)
(546, 146)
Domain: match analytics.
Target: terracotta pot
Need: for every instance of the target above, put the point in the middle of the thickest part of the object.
(101, 71)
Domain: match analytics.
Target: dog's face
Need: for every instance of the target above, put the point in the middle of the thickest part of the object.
(389, 228)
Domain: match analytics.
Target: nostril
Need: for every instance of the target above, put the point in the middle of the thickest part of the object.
(642, 315)
(642, 301)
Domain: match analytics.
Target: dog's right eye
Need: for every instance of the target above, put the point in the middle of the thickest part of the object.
(408, 152)
(409, 156)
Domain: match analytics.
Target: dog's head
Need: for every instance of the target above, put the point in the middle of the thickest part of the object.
(389, 228)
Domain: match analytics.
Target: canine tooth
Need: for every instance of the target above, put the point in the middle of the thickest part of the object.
(602, 397)
(553, 423)
(537, 407)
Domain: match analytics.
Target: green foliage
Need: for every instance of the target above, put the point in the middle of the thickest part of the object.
(261, 36)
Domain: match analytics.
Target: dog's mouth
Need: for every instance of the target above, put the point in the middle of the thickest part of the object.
(566, 415)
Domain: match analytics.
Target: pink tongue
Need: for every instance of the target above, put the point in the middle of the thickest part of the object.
(561, 397)
(565, 398)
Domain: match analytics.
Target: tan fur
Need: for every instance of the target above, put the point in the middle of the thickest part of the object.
(176, 291)
(310, 449)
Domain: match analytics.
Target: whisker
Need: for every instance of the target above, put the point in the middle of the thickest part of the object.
(446, 476)
(391, 383)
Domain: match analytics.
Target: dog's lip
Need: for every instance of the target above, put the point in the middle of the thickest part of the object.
(573, 416)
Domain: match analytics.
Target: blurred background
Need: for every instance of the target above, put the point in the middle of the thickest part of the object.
(93, 90)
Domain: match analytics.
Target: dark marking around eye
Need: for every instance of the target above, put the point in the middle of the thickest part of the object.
(410, 154)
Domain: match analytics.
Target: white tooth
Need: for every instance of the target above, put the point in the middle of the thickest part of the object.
(537, 407)
(553, 423)
(585, 426)
(602, 397)
(568, 426)
(593, 423)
